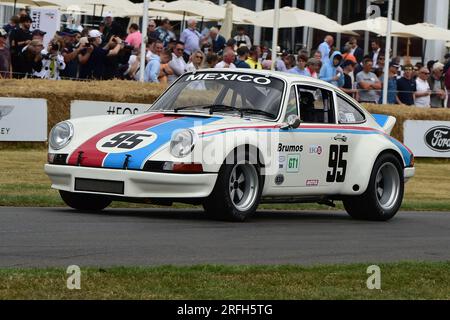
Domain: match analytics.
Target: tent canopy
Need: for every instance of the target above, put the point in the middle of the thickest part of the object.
(377, 25)
(294, 17)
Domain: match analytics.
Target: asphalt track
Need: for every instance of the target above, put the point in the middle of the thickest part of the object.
(40, 237)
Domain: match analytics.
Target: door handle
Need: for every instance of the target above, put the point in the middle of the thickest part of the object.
(340, 137)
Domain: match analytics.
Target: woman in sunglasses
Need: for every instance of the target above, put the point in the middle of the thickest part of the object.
(197, 61)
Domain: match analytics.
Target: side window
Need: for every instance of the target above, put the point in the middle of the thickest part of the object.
(291, 108)
(316, 105)
(347, 112)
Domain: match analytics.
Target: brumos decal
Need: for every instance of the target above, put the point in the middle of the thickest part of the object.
(290, 147)
(229, 77)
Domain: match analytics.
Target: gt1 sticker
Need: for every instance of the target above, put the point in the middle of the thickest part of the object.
(125, 141)
(293, 162)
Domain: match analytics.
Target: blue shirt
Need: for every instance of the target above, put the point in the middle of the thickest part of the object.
(392, 91)
(324, 49)
(191, 40)
(152, 69)
(297, 70)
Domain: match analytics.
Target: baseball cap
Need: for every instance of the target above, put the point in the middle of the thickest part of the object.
(394, 64)
(3, 33)
(38, 32)
(108, 14)
(95, 34)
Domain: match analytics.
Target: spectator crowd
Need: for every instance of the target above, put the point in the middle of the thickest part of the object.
(110, 52)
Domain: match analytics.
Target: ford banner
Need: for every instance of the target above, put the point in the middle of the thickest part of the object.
(428, 138)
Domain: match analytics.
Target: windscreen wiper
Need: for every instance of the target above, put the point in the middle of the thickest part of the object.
(221, 107)
(257, 111)
(188, 107)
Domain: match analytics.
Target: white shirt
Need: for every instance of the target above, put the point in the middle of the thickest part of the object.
(178, 66)
(375, 58)
(422, 86)
(243, 39)
(222, 65)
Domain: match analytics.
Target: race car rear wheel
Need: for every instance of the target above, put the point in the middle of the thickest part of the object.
(236, 194)
(384, 193)
(85, 201)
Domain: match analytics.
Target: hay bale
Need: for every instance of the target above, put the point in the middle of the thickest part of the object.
(403, 113)
(59, 94)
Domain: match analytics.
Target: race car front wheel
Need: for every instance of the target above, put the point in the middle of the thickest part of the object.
(384, 194)
(85, 201)
(236, 194)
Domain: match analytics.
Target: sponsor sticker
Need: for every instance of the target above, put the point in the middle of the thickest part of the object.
(279, 179)
(315, 149)
(293, 163)
(312, 183)
(438, 138)
(290, 148)
(229, 77)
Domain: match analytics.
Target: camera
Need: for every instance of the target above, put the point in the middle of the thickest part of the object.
(54, 46)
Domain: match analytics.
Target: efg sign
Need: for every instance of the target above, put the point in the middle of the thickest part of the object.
(428, 138)
(23, 119)
(84, 108)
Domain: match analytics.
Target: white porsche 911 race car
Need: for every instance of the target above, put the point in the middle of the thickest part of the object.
(231, 139)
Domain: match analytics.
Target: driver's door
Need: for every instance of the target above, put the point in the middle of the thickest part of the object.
(304, 152)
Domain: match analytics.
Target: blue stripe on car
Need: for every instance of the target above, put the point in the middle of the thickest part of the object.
(164, 134)
(405, 152)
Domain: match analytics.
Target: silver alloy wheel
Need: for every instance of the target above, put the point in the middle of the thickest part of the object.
(387, 185)
(243, 186)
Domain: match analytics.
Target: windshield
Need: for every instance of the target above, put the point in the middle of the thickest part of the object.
(224, 92)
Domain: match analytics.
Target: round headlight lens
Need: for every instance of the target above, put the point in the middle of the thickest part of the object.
(182, 143)
(60, 135)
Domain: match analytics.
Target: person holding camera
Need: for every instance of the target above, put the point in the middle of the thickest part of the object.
(52, 61)
(93, 57)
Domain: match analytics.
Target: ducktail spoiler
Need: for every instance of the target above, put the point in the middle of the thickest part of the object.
(385, 122)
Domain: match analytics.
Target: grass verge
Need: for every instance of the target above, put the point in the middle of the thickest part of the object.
(24, 183)
(406, 280)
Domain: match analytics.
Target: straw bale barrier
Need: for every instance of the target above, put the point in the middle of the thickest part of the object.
(59, 94)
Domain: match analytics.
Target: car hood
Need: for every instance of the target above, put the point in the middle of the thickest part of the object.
(91, 134)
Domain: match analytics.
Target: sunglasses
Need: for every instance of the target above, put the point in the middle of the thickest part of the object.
(425, 73)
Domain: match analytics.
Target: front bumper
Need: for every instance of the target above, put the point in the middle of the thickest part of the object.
(137, 184)
(408, 173)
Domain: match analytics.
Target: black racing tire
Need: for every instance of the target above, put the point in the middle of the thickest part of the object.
(384, 194)
(85, 201)
(220, 205)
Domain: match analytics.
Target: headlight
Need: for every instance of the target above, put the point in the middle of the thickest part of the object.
(60, 135)
(182, 142)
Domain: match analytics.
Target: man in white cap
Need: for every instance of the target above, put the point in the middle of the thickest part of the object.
(112, 28)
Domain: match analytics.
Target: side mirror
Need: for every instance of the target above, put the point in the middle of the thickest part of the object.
(293, 122)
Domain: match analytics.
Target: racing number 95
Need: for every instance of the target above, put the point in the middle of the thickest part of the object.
(336, 162)
(126, 140)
